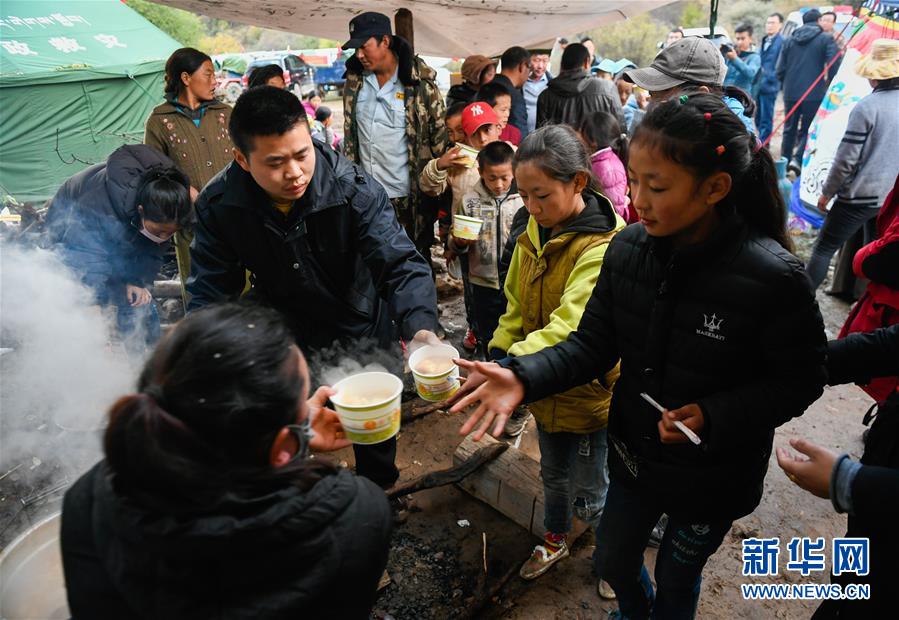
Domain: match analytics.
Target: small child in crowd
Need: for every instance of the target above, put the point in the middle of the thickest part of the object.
(608, 143)
(553, 271)
(496, 96)
(495, 200)
(322, 130)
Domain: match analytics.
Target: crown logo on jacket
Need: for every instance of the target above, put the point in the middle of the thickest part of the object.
(712, 324)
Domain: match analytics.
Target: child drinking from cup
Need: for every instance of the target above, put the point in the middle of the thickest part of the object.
(553, 271)
(712, 316)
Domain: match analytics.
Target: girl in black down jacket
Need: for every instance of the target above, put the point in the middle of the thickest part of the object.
(206, 505)
(710, 315)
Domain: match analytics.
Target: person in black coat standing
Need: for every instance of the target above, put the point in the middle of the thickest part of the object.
(575, 94)
(207, 505)
(803, 58)
(320, 240)
(112, 223)
(868, 490)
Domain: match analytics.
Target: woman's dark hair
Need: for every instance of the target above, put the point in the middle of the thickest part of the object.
(602, 130)
(311, 95)
(261, 75)
(490, 91)
(164, 195)
(264, 111)
(210, 401)
(701, 133)
(558, 151)
(184, 60)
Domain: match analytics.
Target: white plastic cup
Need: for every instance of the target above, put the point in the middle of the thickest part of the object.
(439, 386)
(372, 422)
(465, 227)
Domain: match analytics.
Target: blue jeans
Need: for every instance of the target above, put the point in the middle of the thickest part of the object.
(764, 114)
(575, 476)
(626, 524)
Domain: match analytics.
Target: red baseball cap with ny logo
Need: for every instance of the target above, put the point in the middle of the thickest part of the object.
(476, 115)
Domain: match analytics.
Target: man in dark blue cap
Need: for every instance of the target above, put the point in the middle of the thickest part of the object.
(393, 119)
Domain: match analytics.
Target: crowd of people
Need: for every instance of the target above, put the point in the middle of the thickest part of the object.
(633, 244)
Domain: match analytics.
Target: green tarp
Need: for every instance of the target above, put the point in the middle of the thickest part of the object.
(78, 78)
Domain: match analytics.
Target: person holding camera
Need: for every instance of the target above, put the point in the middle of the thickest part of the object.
(743, 63)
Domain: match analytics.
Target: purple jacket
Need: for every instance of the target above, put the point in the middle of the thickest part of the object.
(612, 178)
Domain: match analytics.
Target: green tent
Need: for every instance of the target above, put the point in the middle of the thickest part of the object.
(78, 78)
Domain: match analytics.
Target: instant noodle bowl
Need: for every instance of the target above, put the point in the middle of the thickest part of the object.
(436, 376)
(368, 405)
(465, 227)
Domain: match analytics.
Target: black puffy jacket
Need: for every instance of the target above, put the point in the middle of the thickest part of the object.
(730, 324)
(575, 95)
(339, 266)
(93, 221)
(280, 554)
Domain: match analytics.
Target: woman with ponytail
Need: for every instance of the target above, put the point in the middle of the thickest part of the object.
(710, 315)
(208, 503)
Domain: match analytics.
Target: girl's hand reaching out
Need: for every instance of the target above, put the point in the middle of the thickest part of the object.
(496, 390)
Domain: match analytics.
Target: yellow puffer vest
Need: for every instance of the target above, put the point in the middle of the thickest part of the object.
(584, 409)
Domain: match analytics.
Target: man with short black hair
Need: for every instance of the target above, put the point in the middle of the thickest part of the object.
(320, 240)
(575, 94)
(515, 66)
(769, 85)
(537, 82)
(673, 36)
(743, 63)
(827, 21)
(803, 58)
(393, 119)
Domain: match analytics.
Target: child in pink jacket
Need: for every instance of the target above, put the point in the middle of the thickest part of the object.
(608, 143)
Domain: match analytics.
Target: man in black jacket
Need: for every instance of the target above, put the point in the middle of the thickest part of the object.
(575, 94)
(320, 240)
(803, 58)
(515, 66)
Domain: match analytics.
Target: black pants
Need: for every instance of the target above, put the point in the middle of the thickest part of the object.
(796, 128)
(487, 305)
(377, 462)
(842, 221)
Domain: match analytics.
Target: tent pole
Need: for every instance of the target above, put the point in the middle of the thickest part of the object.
(403, 27)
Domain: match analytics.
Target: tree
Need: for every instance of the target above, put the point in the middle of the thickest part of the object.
(636, 39)
(695, 15)
(184, 27)
(221, 43)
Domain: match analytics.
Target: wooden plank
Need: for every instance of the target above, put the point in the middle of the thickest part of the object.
(511, 484)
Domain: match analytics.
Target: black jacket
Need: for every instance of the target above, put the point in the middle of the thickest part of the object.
(93, 221)
(575, 95)
(281, 554)
(460, 93)
(730, 324)
(339, 266)
(802, 59)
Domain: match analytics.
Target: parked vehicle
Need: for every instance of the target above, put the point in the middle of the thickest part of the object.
(299, 76)
(330, 77)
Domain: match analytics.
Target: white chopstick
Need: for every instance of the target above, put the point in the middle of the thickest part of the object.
(680, 425)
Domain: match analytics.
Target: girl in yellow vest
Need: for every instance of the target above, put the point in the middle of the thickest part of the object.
(554, 268)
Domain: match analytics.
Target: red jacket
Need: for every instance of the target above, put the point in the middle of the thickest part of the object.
(879, 306)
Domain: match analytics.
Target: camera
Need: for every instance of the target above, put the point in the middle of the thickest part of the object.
(726, 48)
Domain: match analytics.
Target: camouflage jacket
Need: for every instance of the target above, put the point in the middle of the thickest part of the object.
(425, 125)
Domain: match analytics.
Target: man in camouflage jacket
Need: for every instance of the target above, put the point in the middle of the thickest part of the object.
(424, 112)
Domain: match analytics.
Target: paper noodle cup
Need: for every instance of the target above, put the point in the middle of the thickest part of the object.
(369, 422)
(470, 153)
(440, 386)
(465, 227)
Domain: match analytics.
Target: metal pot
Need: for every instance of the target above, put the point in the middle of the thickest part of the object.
(31, 578)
